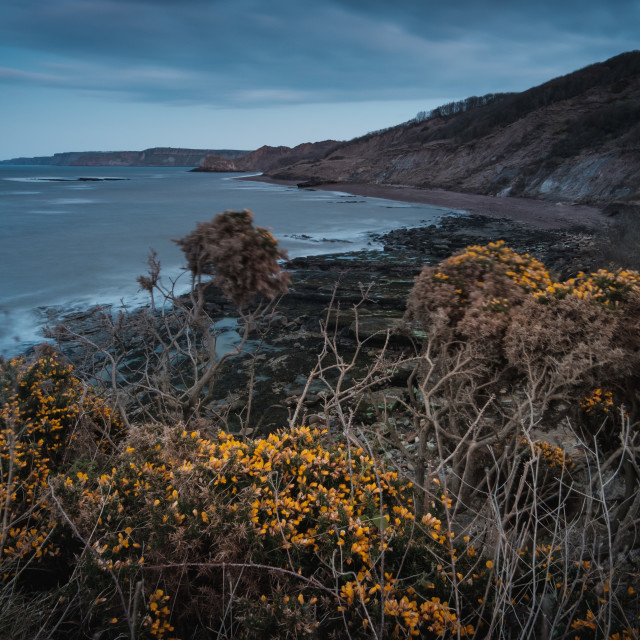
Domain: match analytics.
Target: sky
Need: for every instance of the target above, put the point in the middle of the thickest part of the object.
(81, 75)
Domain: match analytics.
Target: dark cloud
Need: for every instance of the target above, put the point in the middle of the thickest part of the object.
(248, 52)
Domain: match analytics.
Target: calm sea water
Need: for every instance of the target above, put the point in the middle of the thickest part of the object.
(69, 244)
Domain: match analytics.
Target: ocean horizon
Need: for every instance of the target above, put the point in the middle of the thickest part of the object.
(74, 237)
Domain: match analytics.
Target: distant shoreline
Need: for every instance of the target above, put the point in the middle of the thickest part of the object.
(537, 213)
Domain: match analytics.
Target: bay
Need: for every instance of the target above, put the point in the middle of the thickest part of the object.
(73, 237)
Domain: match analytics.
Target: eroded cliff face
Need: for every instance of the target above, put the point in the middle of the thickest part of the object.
(155, 157)
(271, 158)
(584, 145)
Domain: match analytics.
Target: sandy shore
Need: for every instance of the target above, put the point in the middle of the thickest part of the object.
(538, 213)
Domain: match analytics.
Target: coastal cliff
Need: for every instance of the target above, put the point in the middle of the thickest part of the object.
(270, 158)
(154, 157)
(575, 138)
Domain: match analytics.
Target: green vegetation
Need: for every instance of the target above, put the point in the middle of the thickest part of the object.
(506, 507)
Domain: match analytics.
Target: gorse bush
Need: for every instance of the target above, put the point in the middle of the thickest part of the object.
(289, 536)
(179, 529)
(487, 277)
(524, 327)
(305, 529)
(47, 419)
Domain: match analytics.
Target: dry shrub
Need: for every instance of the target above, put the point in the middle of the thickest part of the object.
(242, 258)
(563, 349)
(163, 362)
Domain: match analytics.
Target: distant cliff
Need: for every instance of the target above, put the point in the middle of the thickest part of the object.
(573, 138)
(270, 158)
(155, 157)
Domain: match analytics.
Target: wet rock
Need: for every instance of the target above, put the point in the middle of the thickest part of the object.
(291, 347)
(375, 329)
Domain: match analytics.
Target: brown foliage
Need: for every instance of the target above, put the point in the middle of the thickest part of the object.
(242, 258)
(506, 350)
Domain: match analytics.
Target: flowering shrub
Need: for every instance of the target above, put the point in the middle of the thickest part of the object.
(553, 456)
(487, 275)
(334, 535)
(571, 336)
(46, 417)
(294, 533)
(609, 289)
(598, 401)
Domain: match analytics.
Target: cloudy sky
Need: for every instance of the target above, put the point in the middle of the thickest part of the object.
(130, 74)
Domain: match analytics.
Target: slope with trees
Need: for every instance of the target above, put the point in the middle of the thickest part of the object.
(573, 138)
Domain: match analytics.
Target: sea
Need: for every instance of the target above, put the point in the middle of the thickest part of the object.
(75, 237)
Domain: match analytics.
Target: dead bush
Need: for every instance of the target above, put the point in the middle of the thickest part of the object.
(242, 258)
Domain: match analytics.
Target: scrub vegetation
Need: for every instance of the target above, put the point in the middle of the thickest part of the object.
(478, 478)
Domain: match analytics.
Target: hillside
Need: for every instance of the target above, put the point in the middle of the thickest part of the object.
(270, 158)
(574, 138)
(155, 157)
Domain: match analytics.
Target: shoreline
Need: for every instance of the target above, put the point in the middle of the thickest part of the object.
(541, 214)
(510, 214)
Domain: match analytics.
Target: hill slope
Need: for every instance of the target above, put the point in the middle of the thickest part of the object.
(574, 138)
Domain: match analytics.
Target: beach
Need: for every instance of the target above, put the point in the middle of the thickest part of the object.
(542, 214)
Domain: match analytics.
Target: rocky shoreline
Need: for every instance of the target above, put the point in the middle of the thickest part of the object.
(378, 282)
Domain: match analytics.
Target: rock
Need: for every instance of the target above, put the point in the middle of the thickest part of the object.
(374, 327)
(617, 208)
(286, 358)
(386, 398)
(276, 321)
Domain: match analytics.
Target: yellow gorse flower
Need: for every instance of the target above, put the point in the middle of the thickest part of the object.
(42, 405)
(607, 288)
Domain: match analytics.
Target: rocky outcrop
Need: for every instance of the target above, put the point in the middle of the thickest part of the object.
(575, 138)
(155, 157)
(271, 158)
